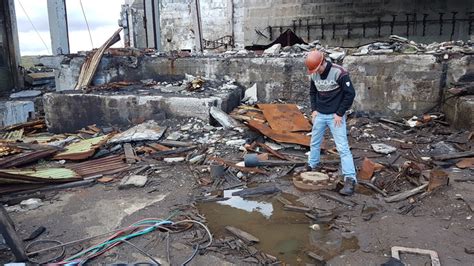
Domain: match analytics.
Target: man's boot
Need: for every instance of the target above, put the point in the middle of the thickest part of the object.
(348, 188)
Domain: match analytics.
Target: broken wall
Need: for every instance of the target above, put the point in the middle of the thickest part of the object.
(338, 23)
(354, 19)
(392, 85)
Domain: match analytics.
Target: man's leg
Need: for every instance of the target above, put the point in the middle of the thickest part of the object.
(317, 134)
(347, 162)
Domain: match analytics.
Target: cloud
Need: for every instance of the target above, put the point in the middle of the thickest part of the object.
(102, 16)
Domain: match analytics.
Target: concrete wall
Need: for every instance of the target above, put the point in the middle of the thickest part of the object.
(460, 110)
(260, 22)
(276, 13)
(393, 85)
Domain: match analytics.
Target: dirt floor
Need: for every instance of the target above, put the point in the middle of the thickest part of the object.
(359, 235)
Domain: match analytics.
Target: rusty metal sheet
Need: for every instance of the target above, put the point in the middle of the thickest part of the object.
(285, 137)
(25, 158)
(285, 117)
(37, 176)
(107, 165)
(12, 136)
(83, 149)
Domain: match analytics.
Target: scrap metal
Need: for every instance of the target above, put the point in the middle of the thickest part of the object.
(280, 136)
(105, 166)
(285, 117)
(81, 150)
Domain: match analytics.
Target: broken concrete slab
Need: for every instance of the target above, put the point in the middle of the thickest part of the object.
(133, 181)
(41, 78)
(383, 148)
(130, 107)
(222, 118)
(149, 130)
(25, 94)
(31, 204)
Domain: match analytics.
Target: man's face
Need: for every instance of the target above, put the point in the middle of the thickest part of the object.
(321, 68)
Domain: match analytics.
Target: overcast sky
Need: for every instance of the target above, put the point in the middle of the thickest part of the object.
(102, 16)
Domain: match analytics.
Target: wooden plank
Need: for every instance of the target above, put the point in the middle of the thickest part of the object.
(316, 257)
(11, 237)
(296, 208)
(129, 153)
(454, 155)
(372, 186)
(283, 200)
(248, 238)
(335, 197)
(406, 194)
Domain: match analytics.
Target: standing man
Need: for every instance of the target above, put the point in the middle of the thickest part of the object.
(331, 94)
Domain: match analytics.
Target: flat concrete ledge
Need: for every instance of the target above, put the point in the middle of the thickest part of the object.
(70, 111)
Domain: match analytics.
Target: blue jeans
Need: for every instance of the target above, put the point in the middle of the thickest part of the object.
(340, 138)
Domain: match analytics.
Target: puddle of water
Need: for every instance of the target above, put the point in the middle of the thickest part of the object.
(283, 234)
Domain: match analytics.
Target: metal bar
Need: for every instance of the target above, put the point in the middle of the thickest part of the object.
(424, 23)
(333, 30)
(453, 21)
(270, 32)
(392, 24)
(322, 27)
(379, 26)
(363, 29)
(408, 24)
(415, 24)
(308, 29)
(294, 25)
(441, 23)
(470, 22)
(348, 30)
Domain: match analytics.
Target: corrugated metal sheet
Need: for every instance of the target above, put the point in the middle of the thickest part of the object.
(12, 136)
(81, 150)
(25, 157)
(107, 165)
(47, 173)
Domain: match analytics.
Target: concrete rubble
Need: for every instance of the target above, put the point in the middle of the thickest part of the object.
(200, 154)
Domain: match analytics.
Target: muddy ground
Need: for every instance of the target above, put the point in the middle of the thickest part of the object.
(359, 235)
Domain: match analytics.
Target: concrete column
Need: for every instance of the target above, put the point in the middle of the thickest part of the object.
(10, 48)
(196, 14)
(153, 27)
(58, 26)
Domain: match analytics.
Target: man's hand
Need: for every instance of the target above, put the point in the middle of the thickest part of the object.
(337, 120)
(313, 115)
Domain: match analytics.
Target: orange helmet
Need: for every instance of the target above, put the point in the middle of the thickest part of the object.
(314, 59)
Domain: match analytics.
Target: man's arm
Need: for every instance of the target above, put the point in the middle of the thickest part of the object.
(348, 94)
(312, 95)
